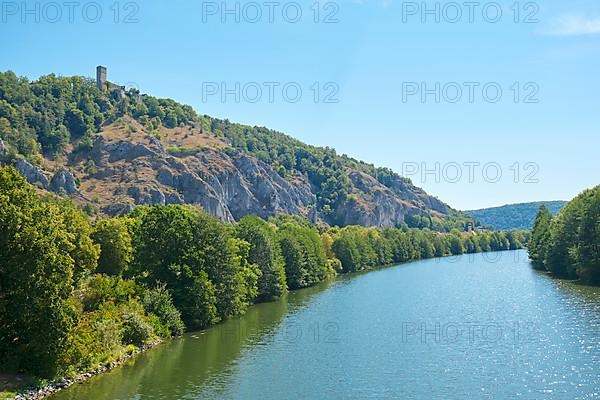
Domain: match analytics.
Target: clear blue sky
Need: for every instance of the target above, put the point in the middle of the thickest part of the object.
(174, 49)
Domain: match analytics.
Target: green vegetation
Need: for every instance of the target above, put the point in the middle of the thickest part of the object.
(514, 216)
(42, 118)
(77, 295)
(539, 237)
(182, 151)
(568, 245)
(57, 315)
(327, 171)
(266, 253)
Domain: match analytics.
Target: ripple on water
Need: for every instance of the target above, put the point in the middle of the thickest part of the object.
(394, 336)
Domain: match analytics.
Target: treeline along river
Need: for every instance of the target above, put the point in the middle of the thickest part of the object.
(480, 326)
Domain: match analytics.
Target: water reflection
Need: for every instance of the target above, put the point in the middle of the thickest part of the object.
(391, 333)
(179, 368)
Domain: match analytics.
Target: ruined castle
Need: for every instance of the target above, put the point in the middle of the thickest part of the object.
(104, 85)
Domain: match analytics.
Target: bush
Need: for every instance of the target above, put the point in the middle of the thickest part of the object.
(182, 151)
(107, 332)
(136, 330)
(158, 301)
(99, 289)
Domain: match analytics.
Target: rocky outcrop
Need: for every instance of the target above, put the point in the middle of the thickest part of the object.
(136, 169)
(33, 174)
(376, 204)
(63, 182)
(3, 149)
(128, 151)
(226, 186)
(117, 209)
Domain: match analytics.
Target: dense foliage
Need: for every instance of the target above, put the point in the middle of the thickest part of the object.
(43, 118)
(57, 315)
(514, 216)
(568, 245)
(75, 295)
(266, 253)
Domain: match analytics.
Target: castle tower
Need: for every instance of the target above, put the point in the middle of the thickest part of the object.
(100, 77)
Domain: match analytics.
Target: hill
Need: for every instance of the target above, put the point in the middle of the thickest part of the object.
(110, 149)
(514, 216)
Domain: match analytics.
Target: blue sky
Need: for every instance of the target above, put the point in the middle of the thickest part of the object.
(369, 59)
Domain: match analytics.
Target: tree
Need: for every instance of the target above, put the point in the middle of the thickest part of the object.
(245, 276)
(265, 252)
(84, 253)
(182, 247)
(171, 120)
(587, 250)
(304, 255)
(539, 238)
(116, 249)
(427, 248)
(562, 241)
(346, 251)
(456, 242)
(36, 274)
(159, 302)
(77, 123)
(194, 255)
(56, 140)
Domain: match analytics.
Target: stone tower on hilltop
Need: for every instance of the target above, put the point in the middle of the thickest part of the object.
(101, 77)
(109, 88)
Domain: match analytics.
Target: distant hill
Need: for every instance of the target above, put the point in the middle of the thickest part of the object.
(514, 216)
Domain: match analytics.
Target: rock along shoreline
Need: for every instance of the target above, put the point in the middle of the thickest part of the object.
(61, 384)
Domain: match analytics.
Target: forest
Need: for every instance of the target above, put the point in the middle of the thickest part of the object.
(78, 292)
(568, 244)
(514, 216)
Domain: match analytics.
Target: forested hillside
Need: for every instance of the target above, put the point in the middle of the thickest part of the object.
(110, 150)
(514, 216)
(568, 244)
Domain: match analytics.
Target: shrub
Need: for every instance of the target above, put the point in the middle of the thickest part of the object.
(108, 332)
(158, 301)
(99, 289)
(136, 329)
(182, 151)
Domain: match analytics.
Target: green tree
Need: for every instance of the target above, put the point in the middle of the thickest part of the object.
(266, 253)
(116, 249)
(84, 253)
(186, 250)
(159, 302)
(304, 255)
(77, 122)
(587, 250)
(456, 243)
(562, 241)
(36, 274)
(56, 140)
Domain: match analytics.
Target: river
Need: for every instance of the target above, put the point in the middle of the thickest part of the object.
(482, 326)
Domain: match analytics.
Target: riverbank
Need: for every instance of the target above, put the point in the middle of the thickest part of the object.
(37, 392)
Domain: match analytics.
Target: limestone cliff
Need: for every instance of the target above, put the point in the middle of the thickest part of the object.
(127, 166)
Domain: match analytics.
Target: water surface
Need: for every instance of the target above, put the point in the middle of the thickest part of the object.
(474, 327)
